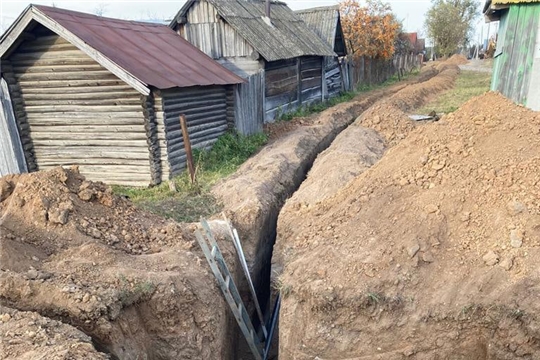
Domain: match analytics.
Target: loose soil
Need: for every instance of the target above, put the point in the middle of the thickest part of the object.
(135, 283)
(429, 254)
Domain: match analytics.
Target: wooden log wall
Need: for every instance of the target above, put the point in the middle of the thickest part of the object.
(311, 78)
(206, 113)
(161, 134)
(334, 77)
(152, 139)
(78, 113)
(282, 81)
(20, 115)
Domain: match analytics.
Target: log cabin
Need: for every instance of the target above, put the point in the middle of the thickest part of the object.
(326, 22)
(106, 95)
(280, 57)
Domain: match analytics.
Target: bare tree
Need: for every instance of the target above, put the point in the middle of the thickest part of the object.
(100, 9)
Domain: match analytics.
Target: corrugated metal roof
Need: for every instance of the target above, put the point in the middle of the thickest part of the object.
(323, 20)
(289, 37)
(499, 2)
(152, 53)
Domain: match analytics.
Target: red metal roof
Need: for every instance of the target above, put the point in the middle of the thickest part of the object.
(153, 53)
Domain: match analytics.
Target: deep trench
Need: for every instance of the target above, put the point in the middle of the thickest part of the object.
(262, 268)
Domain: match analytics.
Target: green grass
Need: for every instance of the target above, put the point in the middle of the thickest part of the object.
(191, 201)
(468, 85)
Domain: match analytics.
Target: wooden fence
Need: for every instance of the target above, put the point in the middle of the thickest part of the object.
(367, 71)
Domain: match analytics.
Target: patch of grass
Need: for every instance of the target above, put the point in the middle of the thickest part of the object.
(468, 85)
(307, 110)
(191, 201)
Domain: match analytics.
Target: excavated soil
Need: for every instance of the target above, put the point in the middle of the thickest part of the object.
(135, 283)
(29, 336)
(429, 254)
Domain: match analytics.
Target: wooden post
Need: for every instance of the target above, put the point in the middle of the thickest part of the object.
(187, 146)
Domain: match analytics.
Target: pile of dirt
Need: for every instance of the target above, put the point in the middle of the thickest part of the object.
(72, 251)
(389, 117)
(28, 336)
(457, 59)
(253, 196)
(431, 253)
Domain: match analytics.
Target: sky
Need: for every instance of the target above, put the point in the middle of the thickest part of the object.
(410, 12)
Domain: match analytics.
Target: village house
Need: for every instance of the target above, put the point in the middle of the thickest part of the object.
(326, 22)
(106, 95)
(272, 48)
(516, 67)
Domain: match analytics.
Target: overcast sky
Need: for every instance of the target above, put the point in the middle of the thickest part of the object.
(410, 12)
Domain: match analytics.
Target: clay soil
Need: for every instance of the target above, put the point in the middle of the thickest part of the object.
(89, 262)
(429, 254)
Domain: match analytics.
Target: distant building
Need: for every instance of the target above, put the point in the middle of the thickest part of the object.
(281, 58)
(516, 68)
(417, 45)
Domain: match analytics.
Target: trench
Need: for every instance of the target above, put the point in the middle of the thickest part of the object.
(262, 268)
(262, 262)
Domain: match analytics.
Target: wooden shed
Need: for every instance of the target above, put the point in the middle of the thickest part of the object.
(516, 68)
(326, 22)
(106, 94)
(277, 53)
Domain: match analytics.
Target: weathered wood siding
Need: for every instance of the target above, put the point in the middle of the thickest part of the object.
(78, 113)
(312, 79)
(207, 31)
(515, 56)
(292, 83)
(206, 113)
(333, 75)
(282, 87)
(249, 105)
(11, 151)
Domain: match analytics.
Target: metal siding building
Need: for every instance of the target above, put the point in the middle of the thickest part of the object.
(516, 71)
(105, 95)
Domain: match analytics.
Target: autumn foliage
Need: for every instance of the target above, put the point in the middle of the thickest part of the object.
(370, 28)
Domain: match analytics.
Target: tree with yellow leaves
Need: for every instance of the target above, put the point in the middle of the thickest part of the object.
(370, 29)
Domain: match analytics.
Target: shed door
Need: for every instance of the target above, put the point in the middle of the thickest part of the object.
(11, 151)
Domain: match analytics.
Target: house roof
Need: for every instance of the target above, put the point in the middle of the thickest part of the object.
(325, 21)
(493, 7)
(141, 54)
(287, 38)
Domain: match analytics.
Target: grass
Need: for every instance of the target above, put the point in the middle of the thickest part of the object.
(191, 201)
(468, 85)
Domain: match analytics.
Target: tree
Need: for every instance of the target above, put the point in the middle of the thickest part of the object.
(450, 24)
(100, 9)
(370, 29)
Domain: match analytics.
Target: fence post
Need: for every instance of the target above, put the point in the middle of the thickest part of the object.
(187, 146)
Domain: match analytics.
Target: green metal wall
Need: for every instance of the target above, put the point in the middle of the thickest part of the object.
(515, 51)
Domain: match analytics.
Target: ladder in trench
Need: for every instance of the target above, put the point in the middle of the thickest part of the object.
(259, 345)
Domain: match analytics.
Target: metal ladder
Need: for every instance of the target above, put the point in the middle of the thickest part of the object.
(217, 263)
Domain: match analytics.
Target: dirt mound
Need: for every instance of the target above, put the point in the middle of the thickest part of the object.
(389, 117)
(457, 59)
(28, 336)
(430, 254)
(72, 251)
